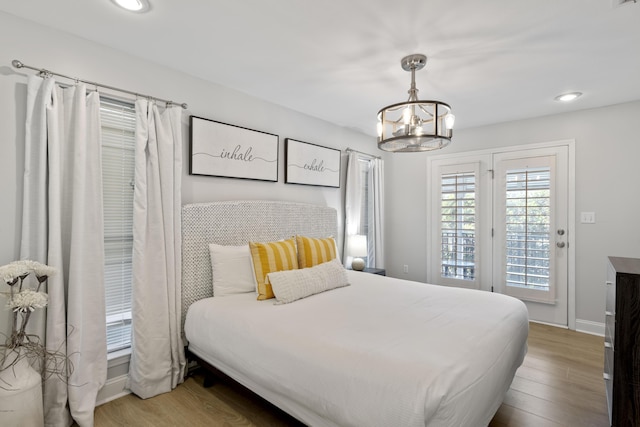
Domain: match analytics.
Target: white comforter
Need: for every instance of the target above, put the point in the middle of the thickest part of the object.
(381, 352)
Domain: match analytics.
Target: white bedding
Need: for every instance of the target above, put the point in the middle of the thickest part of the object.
(381, 352)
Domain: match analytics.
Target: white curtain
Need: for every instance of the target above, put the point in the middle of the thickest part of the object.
(354, 196)
(352, 204)
(376, 218)
(157, 354)
(63, 227)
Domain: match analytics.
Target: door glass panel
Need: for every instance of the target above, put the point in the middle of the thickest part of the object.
(528, 234)
(458, 226)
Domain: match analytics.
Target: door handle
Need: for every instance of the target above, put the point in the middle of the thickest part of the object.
(560, 244)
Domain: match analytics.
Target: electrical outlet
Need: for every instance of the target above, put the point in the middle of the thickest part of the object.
(405, 268)
(588, 217)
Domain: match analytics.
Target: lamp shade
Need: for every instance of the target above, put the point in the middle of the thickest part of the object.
(415, 126)
(357, 245)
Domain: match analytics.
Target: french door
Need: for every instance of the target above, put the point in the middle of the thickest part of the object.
(501, 224)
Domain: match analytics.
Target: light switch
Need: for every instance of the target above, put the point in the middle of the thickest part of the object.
(588, 217)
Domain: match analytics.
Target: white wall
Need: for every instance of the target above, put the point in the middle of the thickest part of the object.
(43, 47)
(607, 179)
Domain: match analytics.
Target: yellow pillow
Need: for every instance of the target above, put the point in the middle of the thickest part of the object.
(270, 257)
(312, 252)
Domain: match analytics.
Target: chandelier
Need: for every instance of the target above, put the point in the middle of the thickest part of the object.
(414, 125)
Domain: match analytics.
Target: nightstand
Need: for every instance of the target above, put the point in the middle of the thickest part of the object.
(380, 271)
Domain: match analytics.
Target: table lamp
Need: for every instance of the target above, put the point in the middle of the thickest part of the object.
(357, 249)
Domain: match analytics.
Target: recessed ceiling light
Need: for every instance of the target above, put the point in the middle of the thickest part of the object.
(568, 97)
(133, 5)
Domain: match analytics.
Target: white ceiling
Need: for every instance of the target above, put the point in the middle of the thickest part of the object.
(339, 60)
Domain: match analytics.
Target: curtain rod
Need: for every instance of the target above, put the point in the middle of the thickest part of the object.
(366, 154)
(42, 71)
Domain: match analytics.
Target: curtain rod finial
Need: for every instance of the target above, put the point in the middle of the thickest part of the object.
(17, 64)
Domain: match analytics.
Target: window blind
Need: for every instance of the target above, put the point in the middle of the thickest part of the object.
(118, 149)
(458, 225)
(528, 215)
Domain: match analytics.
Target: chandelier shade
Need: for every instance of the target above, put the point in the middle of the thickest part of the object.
(415, 125)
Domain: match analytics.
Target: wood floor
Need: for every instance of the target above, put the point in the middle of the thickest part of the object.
(559, 384)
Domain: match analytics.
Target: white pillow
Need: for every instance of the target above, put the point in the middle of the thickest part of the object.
(292, 285)
(231, 270)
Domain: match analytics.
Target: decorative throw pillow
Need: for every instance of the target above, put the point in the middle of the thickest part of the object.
(231, 270)
(270, 257)
(312, 251)
(289, 286)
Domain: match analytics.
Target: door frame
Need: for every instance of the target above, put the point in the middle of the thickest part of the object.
(571, 211)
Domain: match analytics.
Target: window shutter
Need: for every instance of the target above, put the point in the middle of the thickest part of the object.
(118, 149)
(458, 225)
(528, 214)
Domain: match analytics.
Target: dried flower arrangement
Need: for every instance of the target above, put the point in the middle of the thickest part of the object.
(23, 301)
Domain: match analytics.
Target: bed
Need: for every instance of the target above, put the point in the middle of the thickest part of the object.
(378, 352)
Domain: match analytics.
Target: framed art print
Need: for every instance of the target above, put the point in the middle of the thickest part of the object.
(220, 149)
(311, 164)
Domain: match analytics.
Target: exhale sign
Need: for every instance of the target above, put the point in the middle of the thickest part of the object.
(312, 164)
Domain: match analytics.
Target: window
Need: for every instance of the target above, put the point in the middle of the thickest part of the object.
(365, 208)
(531, 211)
(528, 214)
(118, 148)
(458, 225)
(459, 222)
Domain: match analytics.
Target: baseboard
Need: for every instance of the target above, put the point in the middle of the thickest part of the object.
(555, 325)
(589, 327)
(113, 389)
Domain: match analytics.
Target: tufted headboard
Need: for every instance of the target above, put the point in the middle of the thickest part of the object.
(237, 223)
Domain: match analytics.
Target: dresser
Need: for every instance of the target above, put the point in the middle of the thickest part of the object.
(622, 341)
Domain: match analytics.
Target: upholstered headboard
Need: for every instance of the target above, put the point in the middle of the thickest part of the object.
(237, 223)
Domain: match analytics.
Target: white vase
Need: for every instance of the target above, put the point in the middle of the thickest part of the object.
(20, 393)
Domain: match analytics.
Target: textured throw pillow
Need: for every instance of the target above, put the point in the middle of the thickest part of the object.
(231, 270)
(312, 251)
(270, 257)
(289, 286)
